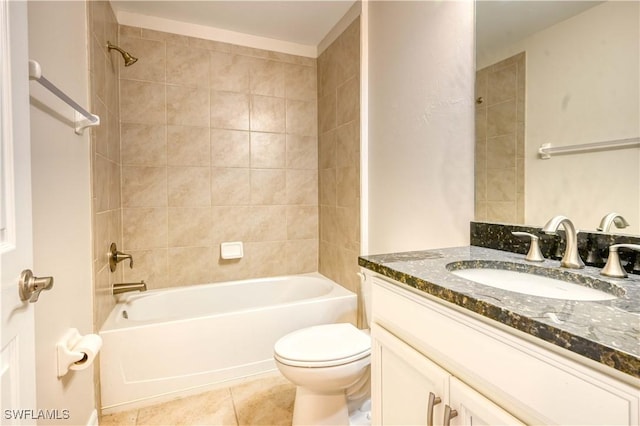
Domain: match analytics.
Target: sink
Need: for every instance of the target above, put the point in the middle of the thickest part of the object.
(536, 281)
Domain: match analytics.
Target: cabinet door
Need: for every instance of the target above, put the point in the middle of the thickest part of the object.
(402, 381)
(474, 409)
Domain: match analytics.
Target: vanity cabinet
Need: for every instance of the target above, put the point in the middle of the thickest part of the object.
(414, 390)
(487, 373)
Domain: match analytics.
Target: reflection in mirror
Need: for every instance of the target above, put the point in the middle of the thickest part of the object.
(561, 73)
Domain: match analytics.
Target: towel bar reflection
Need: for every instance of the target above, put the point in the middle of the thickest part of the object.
(90, 120)
(546, 150)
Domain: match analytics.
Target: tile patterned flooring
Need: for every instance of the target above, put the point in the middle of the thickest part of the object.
(264, 401)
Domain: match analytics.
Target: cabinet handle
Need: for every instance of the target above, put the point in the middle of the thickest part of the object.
(433, 400)
(448, 415)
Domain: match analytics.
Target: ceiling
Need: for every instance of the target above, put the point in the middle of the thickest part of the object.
(304, 22)
(500, 22)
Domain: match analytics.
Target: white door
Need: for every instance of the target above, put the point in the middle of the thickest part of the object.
(473, 409)
(17, 367)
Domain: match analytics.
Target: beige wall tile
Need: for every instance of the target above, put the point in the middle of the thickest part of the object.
(328, 224)
(150, 266)
(327, 150)
(144, 228)
(189, 186)
(231, 269)
(327, 112)
(327, 73)
(230, 148)
(348, 145)
(481, 122)
(191, 265)
(187, 66)
(267, 114)
(302, 256)
(152, 59)
(300, 82)
(231, 223)
(502, 85)
(347, 186)
(348, 101)
(144, 186)
(328, 260)
(188, 106)
(98, 66)
(190, 227)
(101, 239)
(501, 152)
(115, 179)
(302, 186)
(229, 110)
(302, 222)
(502, 211)
(128, 31)
(101, 171)
(268, 186)
(113, 136)
(228, 72)
(347, 58)
(230, 186)
(302, 118)
(266, 258)
(162, 36)
(218, 46)
(302, 152)
(327, 191)
(142, 102)
(501, 119)
(188, 146)
(268, 150)
(99, 134)
(143, 144)
(501, 184)
(348, 227)
(268, 223)
(266, 78)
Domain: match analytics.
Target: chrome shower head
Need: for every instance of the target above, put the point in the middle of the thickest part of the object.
(128, 59)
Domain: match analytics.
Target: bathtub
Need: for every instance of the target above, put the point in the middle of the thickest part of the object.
(162, 344)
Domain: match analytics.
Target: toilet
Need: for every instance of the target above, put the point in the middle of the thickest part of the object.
(329, 364)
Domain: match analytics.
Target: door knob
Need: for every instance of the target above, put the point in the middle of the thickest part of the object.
(30, 286)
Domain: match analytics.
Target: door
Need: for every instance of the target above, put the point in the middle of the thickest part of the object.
(474, 409)
(17, 367)
(409, 389)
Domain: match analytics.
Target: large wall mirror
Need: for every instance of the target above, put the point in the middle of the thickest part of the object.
(563, 73)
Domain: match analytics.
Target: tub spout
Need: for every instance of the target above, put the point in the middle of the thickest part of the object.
(126, 287)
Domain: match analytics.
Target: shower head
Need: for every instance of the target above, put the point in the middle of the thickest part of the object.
(128, 59)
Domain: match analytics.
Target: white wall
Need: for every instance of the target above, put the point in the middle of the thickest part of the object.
(583, 86)
(421, 124)
(61, 202)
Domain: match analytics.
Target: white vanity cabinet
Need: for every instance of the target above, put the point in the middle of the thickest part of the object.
(412, 390)
(487, 374)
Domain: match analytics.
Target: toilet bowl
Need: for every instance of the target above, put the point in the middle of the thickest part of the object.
(325, 362)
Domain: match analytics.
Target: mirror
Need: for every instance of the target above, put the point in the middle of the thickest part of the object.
(563, 73)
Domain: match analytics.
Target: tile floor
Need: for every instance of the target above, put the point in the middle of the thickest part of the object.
(265, 401)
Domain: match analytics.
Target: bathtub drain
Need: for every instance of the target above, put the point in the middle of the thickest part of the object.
(125, 315)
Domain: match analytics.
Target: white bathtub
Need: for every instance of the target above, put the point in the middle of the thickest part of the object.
(166, 343)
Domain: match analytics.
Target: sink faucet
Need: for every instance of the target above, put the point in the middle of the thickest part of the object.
(125, 287)
(612, 218)
(571, 258)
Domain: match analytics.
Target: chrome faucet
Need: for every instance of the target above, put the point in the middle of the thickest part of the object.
(614, 268)
(571, 258)
(126, 287)
(612, 218)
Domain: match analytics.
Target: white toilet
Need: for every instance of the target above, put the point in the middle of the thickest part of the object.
(329, 364)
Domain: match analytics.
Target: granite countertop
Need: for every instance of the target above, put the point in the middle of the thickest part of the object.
(605, 331)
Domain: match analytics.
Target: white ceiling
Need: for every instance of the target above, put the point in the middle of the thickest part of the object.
(304, 22)
(499, 22)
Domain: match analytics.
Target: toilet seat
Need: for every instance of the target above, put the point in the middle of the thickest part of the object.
(323, 346)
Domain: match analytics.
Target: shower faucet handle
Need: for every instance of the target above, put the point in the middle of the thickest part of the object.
(116, 257)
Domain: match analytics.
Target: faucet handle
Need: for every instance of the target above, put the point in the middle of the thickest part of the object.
(116, 256)
(534, 254)
(614, 268)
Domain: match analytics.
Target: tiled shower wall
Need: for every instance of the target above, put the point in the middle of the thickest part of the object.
(339, 157)
(105, 158)
(218, 143)
(500, 125)
(104, 68)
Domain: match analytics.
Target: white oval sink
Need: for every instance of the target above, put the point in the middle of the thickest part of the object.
(532, 284)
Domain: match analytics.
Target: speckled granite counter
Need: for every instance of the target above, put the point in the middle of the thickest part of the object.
(605, 331)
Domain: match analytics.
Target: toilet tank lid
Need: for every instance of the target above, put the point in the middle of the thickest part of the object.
(323, 343)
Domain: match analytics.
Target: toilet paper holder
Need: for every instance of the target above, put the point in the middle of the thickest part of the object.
(70, 351)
